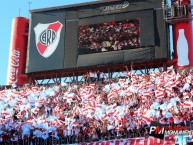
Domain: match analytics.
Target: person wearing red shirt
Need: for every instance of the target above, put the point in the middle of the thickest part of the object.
(171, 121)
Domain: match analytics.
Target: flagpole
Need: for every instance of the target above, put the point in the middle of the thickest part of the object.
(29, 4)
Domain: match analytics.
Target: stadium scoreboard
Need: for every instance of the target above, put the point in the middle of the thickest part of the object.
(96, 33)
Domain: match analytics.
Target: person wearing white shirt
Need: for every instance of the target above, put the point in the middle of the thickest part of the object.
(101, 77)
(95, 76)
(69, 134)
(76, 132)
(91, 76)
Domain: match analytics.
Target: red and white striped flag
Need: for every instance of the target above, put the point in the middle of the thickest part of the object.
(157, 72)
(159, 93)
(114, 106)
(143, 98)
(169, 91)
(104, 117)
(148, 93)
(128, 93)
(111, 95)
(35, 89)
(187, 104)
(4, 113)
(90, 86)
(175, 83)
(19, 101)
(122, 80)
(126, 74)
(186, 95)
(169, 69)
(147, 119)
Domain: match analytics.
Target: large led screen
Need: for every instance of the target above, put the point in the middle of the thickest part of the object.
(109, 36)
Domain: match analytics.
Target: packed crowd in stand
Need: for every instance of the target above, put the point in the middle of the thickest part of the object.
(85, 112)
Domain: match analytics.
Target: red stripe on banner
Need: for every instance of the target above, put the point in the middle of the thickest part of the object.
(55, 26)
(169, 140)
(187, 104)
(41, 47)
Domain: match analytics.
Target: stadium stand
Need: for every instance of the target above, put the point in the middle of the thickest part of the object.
(70, 113)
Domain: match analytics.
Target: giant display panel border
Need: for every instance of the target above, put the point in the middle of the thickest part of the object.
(145, 52)
(153, 34)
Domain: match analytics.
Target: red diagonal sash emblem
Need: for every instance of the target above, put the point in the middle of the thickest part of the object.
(42, 48)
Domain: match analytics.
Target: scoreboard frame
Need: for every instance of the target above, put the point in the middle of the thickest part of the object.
(153, 34)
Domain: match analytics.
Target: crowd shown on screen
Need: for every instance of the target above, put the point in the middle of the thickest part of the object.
(84, 112)
(110, 36)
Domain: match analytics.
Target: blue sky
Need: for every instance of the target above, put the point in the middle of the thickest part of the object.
(9, 10)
